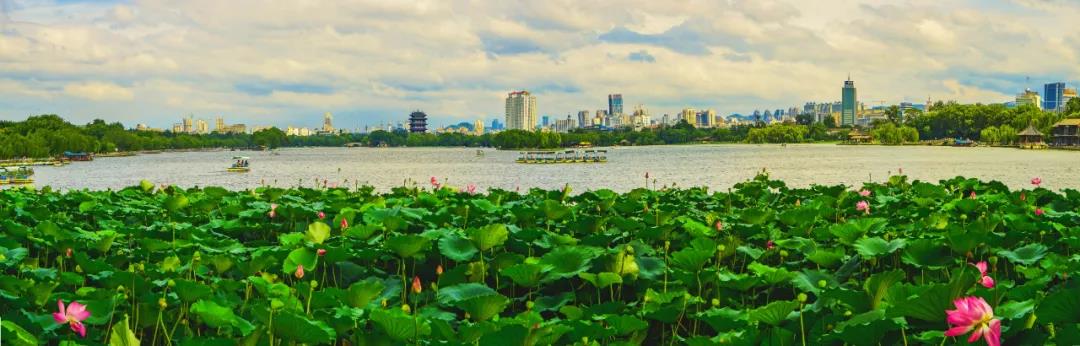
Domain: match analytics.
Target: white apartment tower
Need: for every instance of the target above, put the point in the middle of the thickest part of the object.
(521, 111)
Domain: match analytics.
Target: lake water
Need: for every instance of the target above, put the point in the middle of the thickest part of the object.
(715, 166)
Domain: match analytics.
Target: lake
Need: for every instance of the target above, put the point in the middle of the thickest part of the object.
(715, 166)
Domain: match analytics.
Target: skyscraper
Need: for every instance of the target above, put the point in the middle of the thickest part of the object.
(1053, 95)
(219, 125)
(850, 101)
(614, 104)
(690, 116)
(478, 127)
(544, 121)
(583, 119)
(328, 122)
(189, 124)
(520, 111)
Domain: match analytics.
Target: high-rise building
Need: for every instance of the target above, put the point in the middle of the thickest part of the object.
(496, 125)
(705, 118)
(201, 127)
(417, 122)
(219, 125)
(583, 119)
(614, 104)
(189, 124)
(1029, 97)
(689, 115)
(641, 117)
(1068, 94)
(521, 111)
(177, 128)
(478, 127)
(328, 122)
(544, 121)
(1052, 94)
(849, 103)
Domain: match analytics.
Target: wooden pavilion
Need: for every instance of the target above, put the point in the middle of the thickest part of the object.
(1031, 138)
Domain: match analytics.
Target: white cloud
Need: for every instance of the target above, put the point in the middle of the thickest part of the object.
(375, 61)
(99, 91)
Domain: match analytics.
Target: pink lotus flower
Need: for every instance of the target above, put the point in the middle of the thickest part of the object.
(273, 212)
(416, 286)
(1036, 181)
(769, 245)
(73, 316)
(322, 215)
(1023, 196)
(68, 253)
(344, 223)
(299, 274)
(972, 313)
(863, 206)
(719, 226)
(864, 193)
(984, 280)
(434, 183)
(320, 252)
(972, 195)
(1038, 212)
(438, 270)
(471, 189)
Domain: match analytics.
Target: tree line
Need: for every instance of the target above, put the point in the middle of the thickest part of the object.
(50, 135)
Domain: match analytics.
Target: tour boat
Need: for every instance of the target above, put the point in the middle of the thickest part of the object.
(569, 156)
(240, 166)
(16, 175)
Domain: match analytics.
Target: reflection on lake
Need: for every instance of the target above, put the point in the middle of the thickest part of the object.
(715, 166)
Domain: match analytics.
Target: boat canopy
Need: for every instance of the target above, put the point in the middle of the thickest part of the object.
(240, 158)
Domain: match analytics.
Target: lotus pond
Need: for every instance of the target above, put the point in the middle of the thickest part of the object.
(898, 263)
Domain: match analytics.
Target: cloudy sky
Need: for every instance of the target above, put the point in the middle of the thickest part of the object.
(370, 61)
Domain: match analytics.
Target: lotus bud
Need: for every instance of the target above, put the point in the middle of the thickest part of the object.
(721, 248)
(715, 302)
(1042, 233)
(384, 303)
(196, 257)
(667, 245)
(184, 322)
(416, 286)
(434, 286)
(467, 316)
(963, 217)
(78, 268)
(438, 270)
(529, 305)
(162, 303)
(829, 326)
(121, 288)
(783, 253)
(314, 284)
(171, 283)
(629, 250)
(405, 308)
(320, 252)
(847, 313)
(67, 253)
(802, 297)
(993, 260)
(822, 283)
(131, 268)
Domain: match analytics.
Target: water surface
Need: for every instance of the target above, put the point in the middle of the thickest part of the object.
(715, 166)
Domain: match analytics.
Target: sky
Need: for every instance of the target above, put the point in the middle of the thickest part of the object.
(372, 61)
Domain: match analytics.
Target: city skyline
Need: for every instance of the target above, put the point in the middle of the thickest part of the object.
(151, 63)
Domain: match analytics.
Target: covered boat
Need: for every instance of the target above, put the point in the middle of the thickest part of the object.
(240, 165)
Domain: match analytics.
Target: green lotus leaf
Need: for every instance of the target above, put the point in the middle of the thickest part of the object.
(488, 236)
(623, 324)
(601, 280)
(121, 334)
(362, 293)
(292, 326)
(555, 210)
(409, 245)
(191, 291)
(298, 257)
(1026, 255)
(1061, 307)
(218, 316)
(926, 253)
(826, 257)
(177, 202)
(567, 261)
(481, 308)
(317, 232)
(17, 336)
(774, 313)
(524, 274)
(691, 259)
(453, 294)
(874, 247)
(457, 248)
(877, 285)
